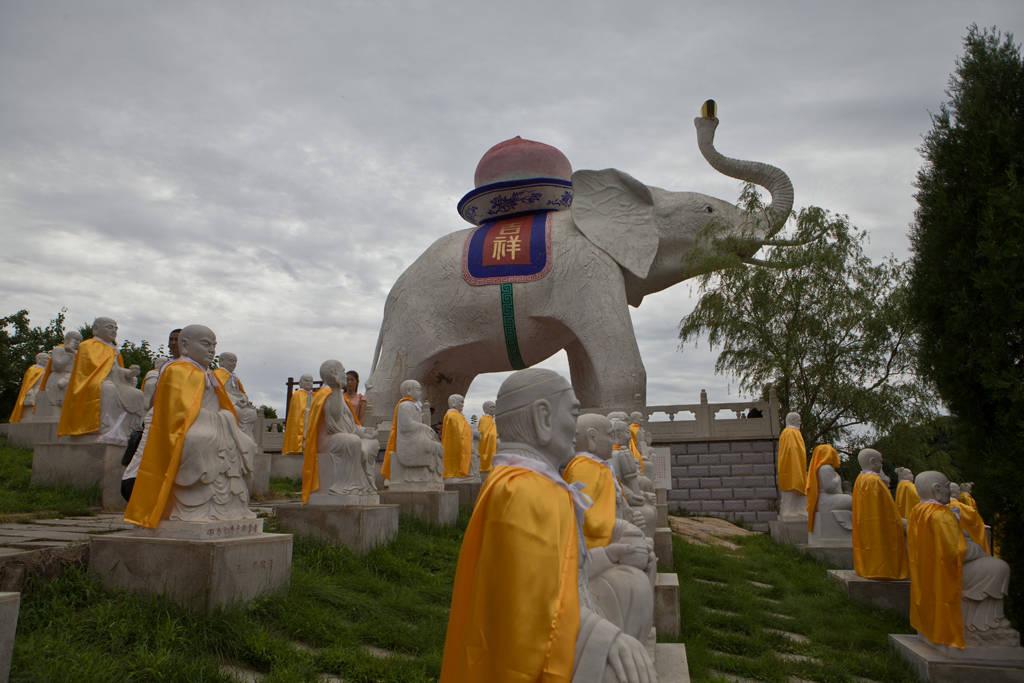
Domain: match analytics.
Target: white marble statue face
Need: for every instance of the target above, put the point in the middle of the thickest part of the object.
(160, 362)
(42, 359)
(794, 420)
(602, 441)
(456, 401)
(416, 392)
(228, 361)
(489, 408)
(306, 382)
(565, 411)
(105, 329)
(72, 339)
(954, 490)
(941, 489)
(636, 418)
(200, 345)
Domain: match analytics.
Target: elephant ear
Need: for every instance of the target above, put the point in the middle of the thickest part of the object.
(616, 212)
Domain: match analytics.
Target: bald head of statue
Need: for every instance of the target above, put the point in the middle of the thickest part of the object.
(870, 460)
(536, 411)
(199, 343)
(932, 485)
(594, 435)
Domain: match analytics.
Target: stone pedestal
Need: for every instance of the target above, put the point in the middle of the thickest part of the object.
(666, 604)
(198, 574)
(26, 434)
(81, 465)
(9, 604)
(841, 558)
(260, 475)
(670, 663)
(663, 548)
(792, 531)
(357, 527)
(435, 507)
(287, 466)
(971, 665)
(894, 595)
(467, 491)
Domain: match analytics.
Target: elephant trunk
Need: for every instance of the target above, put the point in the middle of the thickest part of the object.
(767, 176)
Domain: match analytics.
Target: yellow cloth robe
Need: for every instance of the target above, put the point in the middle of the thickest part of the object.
(81, 411)
(295, 426)
(968, 499)
(515, 610)
(879, 543)
(599, 520)
(352, 410)
(823, 455)
(223, 375)
(28, 380)
(310, 458)
(937, 550)
(457, 439)
(385, 468)
(972, 523)
(792, 461)
(176, 404)
(634, 448)
(906, 498)
(488, 445)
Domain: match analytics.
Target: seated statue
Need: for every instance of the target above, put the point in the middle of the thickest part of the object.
(340, 458)
(413, 457)
(829, 510)
(298, 417)
(906, 493)
(521, 608)
(244, 408)
(627, 469)
(62, 360)
(457, 439)
(969, 518)
(879, 542)
(488, 445)
(203, 473)
(25, 404)
(792, 461)
(956, 588)
(101, 403)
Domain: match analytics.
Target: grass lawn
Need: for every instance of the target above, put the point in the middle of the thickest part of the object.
(18, 495)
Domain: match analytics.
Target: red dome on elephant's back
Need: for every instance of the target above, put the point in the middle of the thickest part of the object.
(519, 159)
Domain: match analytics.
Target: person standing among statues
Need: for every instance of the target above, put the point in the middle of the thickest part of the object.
(356, 401)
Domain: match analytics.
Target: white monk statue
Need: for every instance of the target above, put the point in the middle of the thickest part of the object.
(413, 457)
(488, 445)
(627, 468)
(792, 470)
(829, 510)
(62, 359)
(956, 588)
(149, 381)
(244, 408)
(879, 541)
(457, 439)
(298, 417)
(340, 456)
(101, 403)
(522, 560)
(906, 493)
(200, 474)
(25, 404)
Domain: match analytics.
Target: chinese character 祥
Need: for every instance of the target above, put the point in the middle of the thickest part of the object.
(506, 246)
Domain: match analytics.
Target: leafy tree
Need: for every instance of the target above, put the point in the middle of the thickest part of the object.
(966, 288)
(268, 412)
(815, 318)
(19, 344)
(142, 355)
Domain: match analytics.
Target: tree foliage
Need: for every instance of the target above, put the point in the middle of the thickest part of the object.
(19, 344)
(967, 289)
(816, 319)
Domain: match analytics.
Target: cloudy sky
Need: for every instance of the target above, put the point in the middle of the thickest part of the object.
(270, 168)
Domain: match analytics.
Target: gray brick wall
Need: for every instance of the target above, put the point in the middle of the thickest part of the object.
(734, 480)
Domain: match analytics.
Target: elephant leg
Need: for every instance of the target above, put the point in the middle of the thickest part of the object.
(439, 383)
(607, 371)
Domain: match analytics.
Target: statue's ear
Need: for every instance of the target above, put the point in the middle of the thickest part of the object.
(616, 212)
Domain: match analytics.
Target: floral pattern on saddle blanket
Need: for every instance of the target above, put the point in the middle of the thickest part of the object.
(508, 250)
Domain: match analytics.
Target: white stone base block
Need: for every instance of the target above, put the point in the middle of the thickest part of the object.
(467, 491)
(202, 531)
(670, 663)
(894, 595)
(666, 605)
(81, 465)
(287, 466)
(199, 575)
(840, 558)
(970, 665)
(9, 604)
(357, 527)
(436, 507)
(27, 434)
(790, 531)
(336, 499)
(663, 548)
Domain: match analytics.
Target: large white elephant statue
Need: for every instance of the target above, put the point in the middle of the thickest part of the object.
(620, 241)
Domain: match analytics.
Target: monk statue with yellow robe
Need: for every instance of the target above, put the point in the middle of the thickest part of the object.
(102, 403)
(340, 456)
(521, 609)
(965, 494)
(197, 463)
(879, 542)
(488, 445)
(792, 468)
(906, 492)
(970, 520)
(627, 469)
(298, 417)
(26, 401)
(58, 370)
(956, 588)
(829, 510)
(244, 408)
(413, 457)
(457, 439)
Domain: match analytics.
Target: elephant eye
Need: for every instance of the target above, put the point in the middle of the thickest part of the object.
(708, 209)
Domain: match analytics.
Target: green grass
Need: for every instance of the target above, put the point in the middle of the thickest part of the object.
(847, 639)
(283, 487)
(17, 494)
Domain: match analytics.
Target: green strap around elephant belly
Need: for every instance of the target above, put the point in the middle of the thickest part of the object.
(508, 323)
